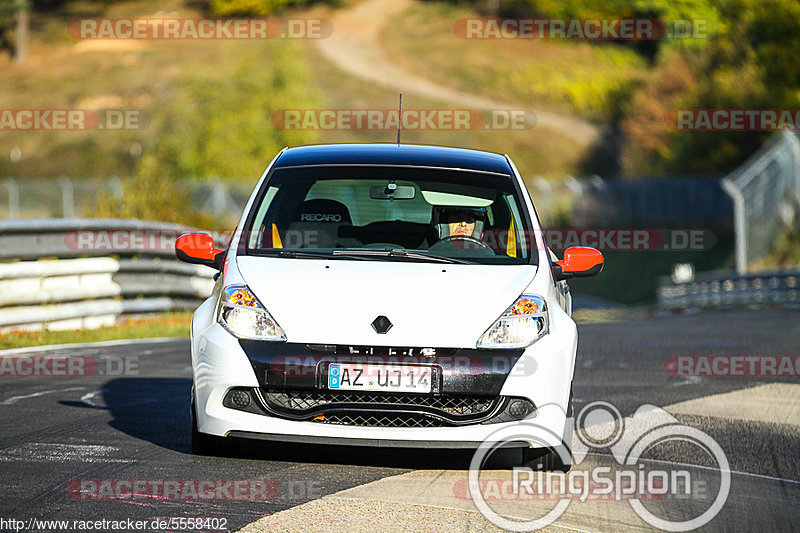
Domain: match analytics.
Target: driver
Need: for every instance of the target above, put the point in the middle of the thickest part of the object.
(463, 222)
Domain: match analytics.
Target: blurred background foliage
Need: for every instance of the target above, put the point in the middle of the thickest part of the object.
(751, 59)
(258, 8)
(209, 104)
(219, 123)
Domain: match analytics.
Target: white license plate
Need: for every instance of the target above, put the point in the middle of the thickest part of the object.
(372, 377)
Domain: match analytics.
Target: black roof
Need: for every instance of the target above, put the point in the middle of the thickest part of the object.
(393, 154)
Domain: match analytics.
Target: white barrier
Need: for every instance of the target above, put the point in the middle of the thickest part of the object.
(65, 291)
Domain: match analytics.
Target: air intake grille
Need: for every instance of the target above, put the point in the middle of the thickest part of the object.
(394, 420)
(452, 405)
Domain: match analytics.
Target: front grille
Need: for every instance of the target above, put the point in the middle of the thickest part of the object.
(308, 401)
(398, 420)
(392, 351)
(378, 409)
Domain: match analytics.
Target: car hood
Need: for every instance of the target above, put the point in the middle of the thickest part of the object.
(429, 304)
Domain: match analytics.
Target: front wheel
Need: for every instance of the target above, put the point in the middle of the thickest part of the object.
(548, 460)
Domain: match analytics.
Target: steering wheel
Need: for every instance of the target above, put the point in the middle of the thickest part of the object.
(382, 246)
(470, 238)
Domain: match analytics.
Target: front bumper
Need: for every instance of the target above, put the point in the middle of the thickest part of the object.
(541, 374)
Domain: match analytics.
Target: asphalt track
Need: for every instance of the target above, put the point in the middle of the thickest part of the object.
(132, 424)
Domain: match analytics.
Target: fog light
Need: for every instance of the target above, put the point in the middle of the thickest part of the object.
(240, 398)
(515, 409)
(520, 409)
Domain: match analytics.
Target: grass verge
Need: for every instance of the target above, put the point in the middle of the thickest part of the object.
(165, 325)
(604, 316)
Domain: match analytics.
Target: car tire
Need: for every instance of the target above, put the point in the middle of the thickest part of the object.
(570, 405)
(548, 460)
(202, 443)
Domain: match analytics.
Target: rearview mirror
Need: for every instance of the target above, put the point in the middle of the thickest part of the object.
(198, 248)
(578, 262)
(392, 191)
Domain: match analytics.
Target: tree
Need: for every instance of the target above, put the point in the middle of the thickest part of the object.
(21, 50)
(19, 12)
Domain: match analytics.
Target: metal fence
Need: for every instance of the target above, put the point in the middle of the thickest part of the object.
(649, 202)
(74, 273)
(584, 202)
(766, 197)
(726, 289)
(74, 197)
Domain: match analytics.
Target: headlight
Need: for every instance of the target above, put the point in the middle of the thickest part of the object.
(521, 325)
(242, 314)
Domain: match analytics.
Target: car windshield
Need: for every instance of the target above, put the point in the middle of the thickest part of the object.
(390, 213)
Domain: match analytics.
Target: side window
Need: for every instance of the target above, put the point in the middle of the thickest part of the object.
(254, 239)
(516, 237)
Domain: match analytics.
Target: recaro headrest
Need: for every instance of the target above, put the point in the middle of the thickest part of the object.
(322, 211)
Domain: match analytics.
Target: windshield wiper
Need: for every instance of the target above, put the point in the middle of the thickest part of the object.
(399, 252)
(296, 255)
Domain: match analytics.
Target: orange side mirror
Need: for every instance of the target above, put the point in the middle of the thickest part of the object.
(578, 262)
(198, 248)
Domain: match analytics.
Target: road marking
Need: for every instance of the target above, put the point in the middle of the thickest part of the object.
(88, 399)
(99, 344)
(701, 467)
(776, 403)
(689, 380)
(57, 452)
(14, 399)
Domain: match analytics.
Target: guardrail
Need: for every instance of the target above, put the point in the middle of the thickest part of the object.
(724, 289)
(74, 273)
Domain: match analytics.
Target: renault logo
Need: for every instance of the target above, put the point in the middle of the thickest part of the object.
(381, 324)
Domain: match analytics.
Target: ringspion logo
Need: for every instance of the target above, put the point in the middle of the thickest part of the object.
(631, 478)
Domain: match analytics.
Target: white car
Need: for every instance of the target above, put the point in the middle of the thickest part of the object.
(384, 295)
